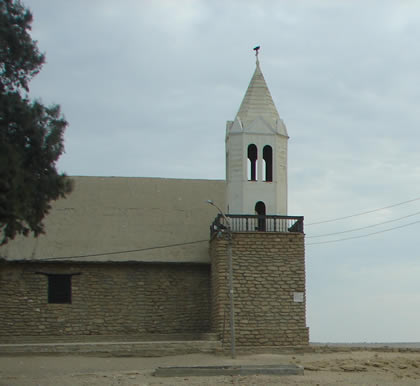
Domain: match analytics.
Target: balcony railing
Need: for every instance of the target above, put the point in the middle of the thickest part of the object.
(256, 223)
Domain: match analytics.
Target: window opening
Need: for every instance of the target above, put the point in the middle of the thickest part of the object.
(252, 162)
(260, 211)
(59, 289)
(268, 163)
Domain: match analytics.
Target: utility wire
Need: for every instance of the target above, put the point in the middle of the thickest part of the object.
(366, 235)
(365, 227)
(362, 213)
(314, 223)
(127, 251)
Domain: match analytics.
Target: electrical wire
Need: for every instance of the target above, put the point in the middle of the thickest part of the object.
(363, 213)
(314, 223)
(119, 252)
(366, 235)
(365, 227)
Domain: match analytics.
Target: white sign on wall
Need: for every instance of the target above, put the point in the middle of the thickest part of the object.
(298, 297)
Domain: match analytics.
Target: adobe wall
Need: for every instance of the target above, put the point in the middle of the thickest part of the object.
(268, 269)
(107, 299)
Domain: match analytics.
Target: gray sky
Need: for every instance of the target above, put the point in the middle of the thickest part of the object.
(147, 88)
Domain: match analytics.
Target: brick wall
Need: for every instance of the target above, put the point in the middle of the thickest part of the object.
(107, 299)
(268, 269)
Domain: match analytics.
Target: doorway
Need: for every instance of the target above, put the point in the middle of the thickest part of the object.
(260, 211)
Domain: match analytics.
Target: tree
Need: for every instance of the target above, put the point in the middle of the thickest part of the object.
(31, 134)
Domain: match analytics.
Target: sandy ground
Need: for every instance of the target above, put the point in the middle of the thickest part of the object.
(350, 368)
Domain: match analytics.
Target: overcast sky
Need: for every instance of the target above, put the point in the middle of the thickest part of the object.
(147, 88)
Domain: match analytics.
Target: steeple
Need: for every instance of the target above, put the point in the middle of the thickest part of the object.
(256, 153)
(258, 103)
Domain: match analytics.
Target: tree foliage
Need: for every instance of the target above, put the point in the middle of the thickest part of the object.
(31, 134)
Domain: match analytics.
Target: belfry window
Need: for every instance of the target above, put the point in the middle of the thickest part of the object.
(252, 162)
(267, 163)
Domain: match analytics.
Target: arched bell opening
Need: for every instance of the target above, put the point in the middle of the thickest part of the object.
(252, 162)
(267, 163)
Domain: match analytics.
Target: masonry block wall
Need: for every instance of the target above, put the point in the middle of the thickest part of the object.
(269, 284)
(107, 299)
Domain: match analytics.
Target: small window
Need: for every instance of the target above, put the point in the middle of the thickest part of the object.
(59, 289)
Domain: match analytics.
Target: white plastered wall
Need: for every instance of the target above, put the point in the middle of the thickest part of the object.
(242, 195)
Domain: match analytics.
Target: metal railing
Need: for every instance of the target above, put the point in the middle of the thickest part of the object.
(256, 223)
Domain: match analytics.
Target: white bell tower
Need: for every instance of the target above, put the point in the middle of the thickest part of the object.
(256, 154)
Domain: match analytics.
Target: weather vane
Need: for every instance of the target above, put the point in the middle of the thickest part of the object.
(256, 49)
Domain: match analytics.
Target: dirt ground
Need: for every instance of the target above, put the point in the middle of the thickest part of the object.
(350, 368)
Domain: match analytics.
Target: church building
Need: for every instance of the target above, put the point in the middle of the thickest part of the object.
(134, 256)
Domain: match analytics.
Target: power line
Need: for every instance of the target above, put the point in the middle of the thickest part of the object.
(127, 251)
(365, 227)
(314, 223)
(366, 235)
(362, 213)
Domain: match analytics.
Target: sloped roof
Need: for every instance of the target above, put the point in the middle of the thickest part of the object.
(257, 101)
(104, 215)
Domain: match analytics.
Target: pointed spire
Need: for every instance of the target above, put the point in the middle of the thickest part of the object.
(257, 101)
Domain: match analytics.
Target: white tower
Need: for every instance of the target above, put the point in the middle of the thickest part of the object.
(256, 154)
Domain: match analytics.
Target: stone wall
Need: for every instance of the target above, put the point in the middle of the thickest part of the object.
(107, 299)
(268, 279)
